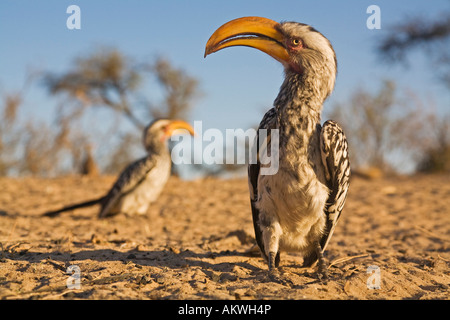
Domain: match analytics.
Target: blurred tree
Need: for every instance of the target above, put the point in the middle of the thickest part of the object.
(10, 135)
(436, 155)
(89, 165)
(430, 36)
(381, 125)
(121, 156)
(26, 147)
(107, 78)
(30, 147)
(41, 151)
(368, 123)
(179, 90)
(104, 78)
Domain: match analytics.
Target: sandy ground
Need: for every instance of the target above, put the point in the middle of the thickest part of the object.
(195, 243)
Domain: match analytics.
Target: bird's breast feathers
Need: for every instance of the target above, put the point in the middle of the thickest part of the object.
(148, 190)
(295, 206)
(293, 197)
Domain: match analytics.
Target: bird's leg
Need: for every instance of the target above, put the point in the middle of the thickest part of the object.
(274, 274)
(271, 233)
(322, 268)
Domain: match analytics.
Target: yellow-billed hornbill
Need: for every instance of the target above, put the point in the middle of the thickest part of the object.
(141, 182)
(297, 208)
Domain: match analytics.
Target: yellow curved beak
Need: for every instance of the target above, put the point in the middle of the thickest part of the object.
(179, 127)
(256, 32)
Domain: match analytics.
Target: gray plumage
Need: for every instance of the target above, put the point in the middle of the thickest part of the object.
(141, 182)
(138, 186)
(297, 208)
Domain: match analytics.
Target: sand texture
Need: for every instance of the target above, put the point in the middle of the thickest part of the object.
(197, 242)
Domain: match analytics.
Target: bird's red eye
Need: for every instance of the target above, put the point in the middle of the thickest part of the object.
(295, 43)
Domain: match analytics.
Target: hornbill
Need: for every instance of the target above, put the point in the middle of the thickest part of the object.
(142, 181)
(297, 208)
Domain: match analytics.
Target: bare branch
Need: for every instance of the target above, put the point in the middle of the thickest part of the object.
(412, 34)
(431, 37)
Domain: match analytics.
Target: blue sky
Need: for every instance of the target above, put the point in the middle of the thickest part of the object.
(238, 84)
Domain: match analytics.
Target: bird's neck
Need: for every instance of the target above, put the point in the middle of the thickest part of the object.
(299, 106)
(158, 148)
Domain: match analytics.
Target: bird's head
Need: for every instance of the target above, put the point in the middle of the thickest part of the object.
(157, 133)
(300, 48)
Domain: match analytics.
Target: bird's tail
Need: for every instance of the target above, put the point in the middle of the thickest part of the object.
(73, 207)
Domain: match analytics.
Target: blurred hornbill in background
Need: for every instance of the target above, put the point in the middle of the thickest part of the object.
(297, 208)
(141, 182)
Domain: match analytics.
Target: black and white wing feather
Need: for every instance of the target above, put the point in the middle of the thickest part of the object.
(267, 123)
(128, 180)
(334, 149)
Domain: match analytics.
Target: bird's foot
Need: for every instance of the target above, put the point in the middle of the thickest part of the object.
(276, 276)
(323, 276)
(322, 272)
